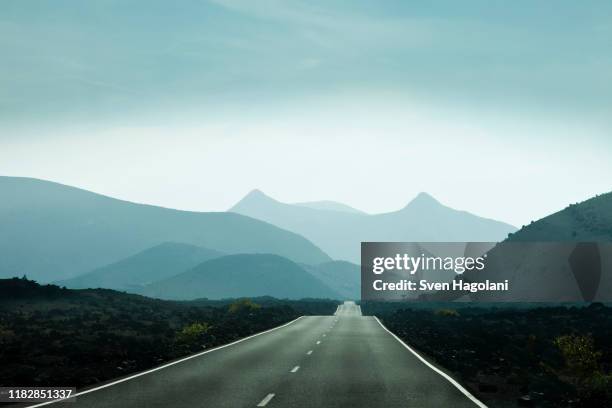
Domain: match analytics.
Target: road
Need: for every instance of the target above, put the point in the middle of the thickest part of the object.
(345, 360)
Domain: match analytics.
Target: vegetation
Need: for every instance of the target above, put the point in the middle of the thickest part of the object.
(243, 305)
(555, 356)
(52, 336)
(306, 306)
(583, 369)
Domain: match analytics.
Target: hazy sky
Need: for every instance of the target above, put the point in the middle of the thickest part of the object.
(501, 108)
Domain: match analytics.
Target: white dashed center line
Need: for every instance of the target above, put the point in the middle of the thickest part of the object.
(294, 369)
(309, 352)
(319, 342)
(265, 401)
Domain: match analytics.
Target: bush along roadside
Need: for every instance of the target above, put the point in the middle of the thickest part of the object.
(557, 356)
(51, 336)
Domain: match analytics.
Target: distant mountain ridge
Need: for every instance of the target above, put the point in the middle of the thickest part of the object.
(339, 233)
(51, 231)
(145, 270)
(130, 274)
(243, 275)
(330, 206)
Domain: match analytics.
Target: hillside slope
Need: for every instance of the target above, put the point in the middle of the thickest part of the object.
(341, 276)
(242, 275)
(590, 220)
(51, 231)
(564, 257)
(153, 264)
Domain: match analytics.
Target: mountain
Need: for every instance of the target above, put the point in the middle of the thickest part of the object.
(341, 276)
(590, 220)
(52, 231)
(339, 233)
(330, 206)
(153, 264)
(243, 275)
(566, 256)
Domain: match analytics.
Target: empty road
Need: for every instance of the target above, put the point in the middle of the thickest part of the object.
(345, 360)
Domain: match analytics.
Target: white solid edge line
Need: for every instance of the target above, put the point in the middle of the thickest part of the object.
(265, 401)
(164, 366)
(436, 369)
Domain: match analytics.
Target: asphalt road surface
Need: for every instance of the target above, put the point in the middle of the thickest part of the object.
(345, 360)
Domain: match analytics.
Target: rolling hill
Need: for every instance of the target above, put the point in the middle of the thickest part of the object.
(52, 231)
(564, 257)
(590, 220)
(243, 275)
(153, 264)
(341, 276)
(339, 233)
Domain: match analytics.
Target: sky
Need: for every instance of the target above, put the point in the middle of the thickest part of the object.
(500, 108)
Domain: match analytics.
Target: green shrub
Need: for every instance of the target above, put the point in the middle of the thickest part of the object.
(447, 313)
(579, 354)
(243, 305)
(193, 333)
(584, 371)
(6, 335)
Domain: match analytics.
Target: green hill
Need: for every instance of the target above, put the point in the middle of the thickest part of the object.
(590, 220)
(547, 260)
(244, 275)
(130, 274)
(51, 231)
(341, 276)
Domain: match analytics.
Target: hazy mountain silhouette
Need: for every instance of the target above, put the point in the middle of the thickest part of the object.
(341, 276)
(330, 206)
(548, 262)
(52, 231)
(153, 264)
(243, 275)
(340, 233)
